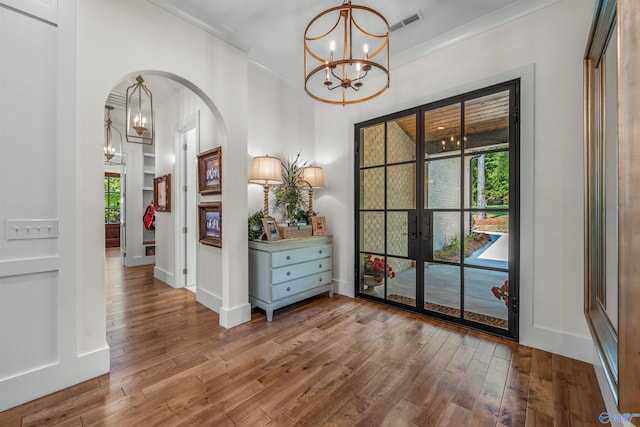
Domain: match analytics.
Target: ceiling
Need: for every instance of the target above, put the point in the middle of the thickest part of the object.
(271, 31)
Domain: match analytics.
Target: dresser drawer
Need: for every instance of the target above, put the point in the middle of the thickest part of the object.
(293, 256)
(290, 272)
(300, 285)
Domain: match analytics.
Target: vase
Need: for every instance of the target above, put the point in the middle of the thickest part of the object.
(371, 284)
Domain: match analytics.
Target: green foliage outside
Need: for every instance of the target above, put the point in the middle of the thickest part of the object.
(111, 200)
(496, 172)
(451, 252)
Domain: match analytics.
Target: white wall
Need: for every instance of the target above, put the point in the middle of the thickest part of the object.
(91, 60)
(546, 49)
(281, 125)
(40, 333)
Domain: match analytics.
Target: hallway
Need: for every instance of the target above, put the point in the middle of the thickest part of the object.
(325, 361)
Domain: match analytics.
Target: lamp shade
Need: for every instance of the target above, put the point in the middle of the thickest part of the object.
(266, 170)
(312, 177)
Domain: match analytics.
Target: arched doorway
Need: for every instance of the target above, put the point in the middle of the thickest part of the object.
(182, 114)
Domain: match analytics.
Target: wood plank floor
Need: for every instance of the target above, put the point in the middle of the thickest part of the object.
(335, 362)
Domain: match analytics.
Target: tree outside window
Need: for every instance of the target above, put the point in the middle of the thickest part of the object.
(111, 198)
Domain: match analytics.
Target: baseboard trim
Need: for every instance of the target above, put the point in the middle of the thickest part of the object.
(230, 317)
(209, 300)
(32, 385)
(140, 260)
(165, 276)
(573, 346)
(343, 288)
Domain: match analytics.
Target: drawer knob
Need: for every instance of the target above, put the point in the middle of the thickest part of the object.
(288, 288)
(319, 279)
(288, 273)
(320, 266)
(320, 251)
(288, 256)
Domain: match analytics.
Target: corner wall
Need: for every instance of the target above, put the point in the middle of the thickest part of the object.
(545, 48)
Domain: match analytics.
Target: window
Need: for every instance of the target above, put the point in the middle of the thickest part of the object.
(111, 198)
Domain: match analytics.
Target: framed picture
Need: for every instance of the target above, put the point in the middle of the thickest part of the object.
(210, 221)
(162, 193)
(270, 228)
(319, 224)
(210, 171)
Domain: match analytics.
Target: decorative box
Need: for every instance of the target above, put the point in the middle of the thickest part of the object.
(295, 231)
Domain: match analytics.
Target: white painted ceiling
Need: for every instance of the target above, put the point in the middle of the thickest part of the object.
(271, 31)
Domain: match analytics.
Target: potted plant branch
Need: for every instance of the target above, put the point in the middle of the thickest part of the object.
(290, 195)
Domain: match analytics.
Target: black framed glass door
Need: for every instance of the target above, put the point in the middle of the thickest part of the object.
(440, 235)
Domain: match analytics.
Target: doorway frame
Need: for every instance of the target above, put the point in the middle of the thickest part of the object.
(181, 162)
(515, 87)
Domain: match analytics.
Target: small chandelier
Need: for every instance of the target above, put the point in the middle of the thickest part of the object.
(346, 55)
(139, 104)
(113, 155)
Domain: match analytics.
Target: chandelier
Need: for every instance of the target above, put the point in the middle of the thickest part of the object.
(139, 105)
(113, 155)
(346, 55)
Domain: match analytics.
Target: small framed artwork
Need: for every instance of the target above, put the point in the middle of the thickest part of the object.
(210, 171)
(270, 228)
(210, 221)
(319, 224)
(162, 193)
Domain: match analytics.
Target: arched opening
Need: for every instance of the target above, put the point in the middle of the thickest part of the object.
(186, 122)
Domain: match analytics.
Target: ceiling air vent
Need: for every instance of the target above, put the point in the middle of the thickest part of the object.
(414, 17)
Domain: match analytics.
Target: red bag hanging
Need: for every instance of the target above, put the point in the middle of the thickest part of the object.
(149, 218)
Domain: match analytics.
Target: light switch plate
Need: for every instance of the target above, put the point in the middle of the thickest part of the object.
(18, 229)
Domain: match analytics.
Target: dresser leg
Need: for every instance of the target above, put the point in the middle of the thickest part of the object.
(269, 314)
(331, 293)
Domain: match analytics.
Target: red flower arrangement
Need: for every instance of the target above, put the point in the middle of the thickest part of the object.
(502, 292)
(377, 268)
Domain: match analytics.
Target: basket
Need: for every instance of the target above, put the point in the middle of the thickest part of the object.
(295, 232)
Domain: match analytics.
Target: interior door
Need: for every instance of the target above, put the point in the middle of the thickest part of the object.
(442, 230)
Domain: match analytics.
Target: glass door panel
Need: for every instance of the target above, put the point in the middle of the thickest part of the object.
(446, 237)
(489, 182)
(486, 297)
(401, 140)
(371, 189)
(442, 288)
(372, 232)
(372, 146)
(401, 281)
(398, 233)
(438, 236)
(442, 184)
(487, 244)
(486, 122)
(401, 186)
(442, 131)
